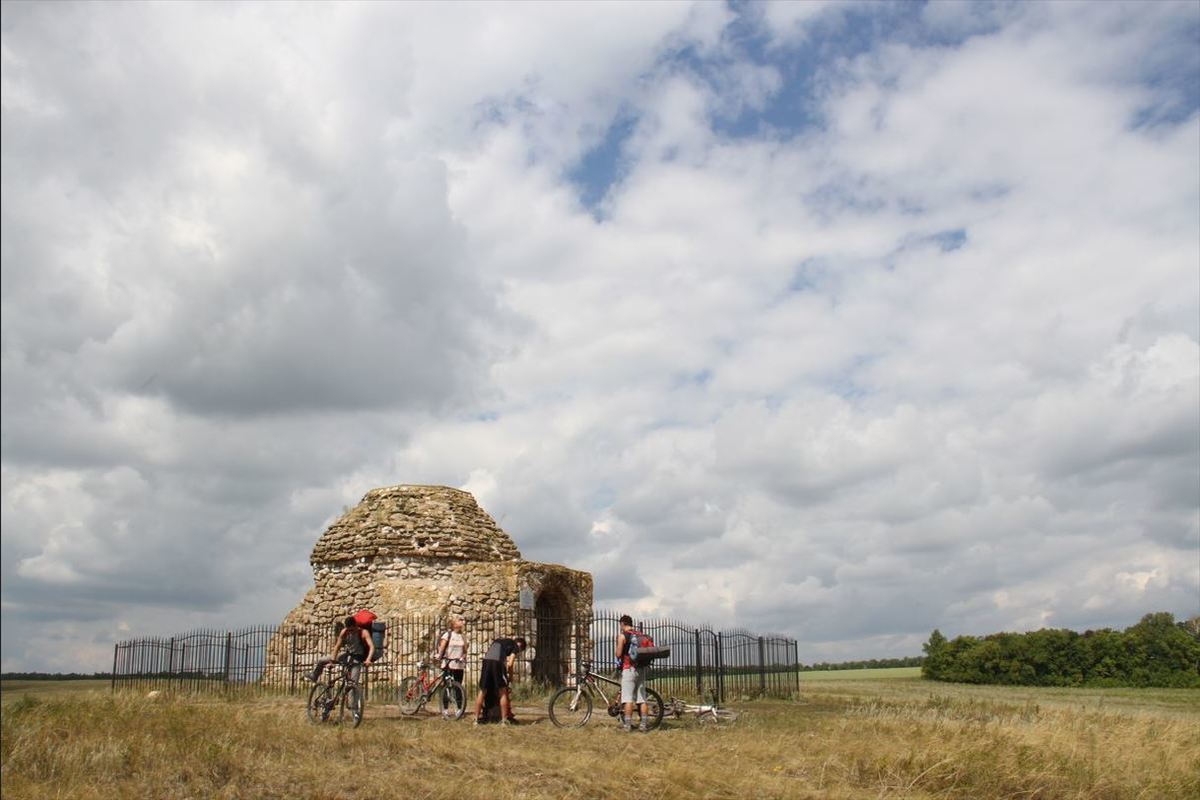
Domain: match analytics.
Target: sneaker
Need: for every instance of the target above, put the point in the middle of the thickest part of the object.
(642, 728)
(506, 722)
(477, 721)
(445, 715)
(625, 726)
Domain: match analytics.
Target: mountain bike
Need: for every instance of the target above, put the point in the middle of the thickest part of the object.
(571, 706)
(417, 690)
(339, 692)
(706, 713)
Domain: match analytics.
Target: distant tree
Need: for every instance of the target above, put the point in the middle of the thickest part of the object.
(1155, 652)
(934, 650)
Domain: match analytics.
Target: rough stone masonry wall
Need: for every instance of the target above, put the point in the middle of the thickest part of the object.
(430, 552)
(397, 587)
(435, 587)
(424, 521)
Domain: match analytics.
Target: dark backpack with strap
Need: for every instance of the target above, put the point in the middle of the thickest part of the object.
(378, 630)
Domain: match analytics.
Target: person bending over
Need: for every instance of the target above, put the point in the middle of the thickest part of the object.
(496, 677)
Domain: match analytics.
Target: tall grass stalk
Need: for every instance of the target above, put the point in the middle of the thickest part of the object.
(861, 740)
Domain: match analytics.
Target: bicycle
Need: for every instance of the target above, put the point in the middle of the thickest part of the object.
(337, 691)
(571, 706)
(417, 690)
(707, 713)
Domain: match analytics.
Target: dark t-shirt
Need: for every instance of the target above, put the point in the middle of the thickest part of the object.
(500, 650)
(354, 646)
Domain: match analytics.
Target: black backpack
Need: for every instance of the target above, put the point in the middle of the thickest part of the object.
(378, 629)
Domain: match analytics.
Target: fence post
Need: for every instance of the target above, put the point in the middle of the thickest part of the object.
(228, 655)
(762, 667)
(720, 690)
(116, 649)
(796, 659)
(699, 667)
(292, 665)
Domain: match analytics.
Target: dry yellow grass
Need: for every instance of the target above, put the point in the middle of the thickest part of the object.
(867, 739)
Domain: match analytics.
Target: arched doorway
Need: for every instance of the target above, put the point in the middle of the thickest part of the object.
(552, 643)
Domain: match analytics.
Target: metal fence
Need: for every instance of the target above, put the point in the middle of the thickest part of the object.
(277, 658)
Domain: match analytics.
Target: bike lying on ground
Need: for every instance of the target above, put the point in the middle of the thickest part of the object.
(707, 713)
(337, 692)
(417, 690)
(571, 706)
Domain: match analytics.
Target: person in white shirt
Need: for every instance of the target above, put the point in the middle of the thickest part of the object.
(452, 650)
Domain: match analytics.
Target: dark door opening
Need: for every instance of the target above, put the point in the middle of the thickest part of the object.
(552, 645)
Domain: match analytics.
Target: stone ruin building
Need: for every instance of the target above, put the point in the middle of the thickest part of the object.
(418, 555)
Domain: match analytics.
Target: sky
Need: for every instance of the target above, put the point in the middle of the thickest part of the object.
(843, 321)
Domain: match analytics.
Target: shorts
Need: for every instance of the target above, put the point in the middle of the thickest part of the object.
(493, 676)
(633, 686)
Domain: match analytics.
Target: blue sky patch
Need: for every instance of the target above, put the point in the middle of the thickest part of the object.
(601, 167)
(950, 240)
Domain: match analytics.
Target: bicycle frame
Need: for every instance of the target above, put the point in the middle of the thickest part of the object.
(593, 681)
(428, 687)
(337, 690)
(417, 690)
(340, 675)
(704, 712)
(588, 684)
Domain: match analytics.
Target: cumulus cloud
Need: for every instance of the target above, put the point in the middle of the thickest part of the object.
(846, 321)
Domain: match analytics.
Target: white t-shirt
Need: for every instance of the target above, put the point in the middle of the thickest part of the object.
(455, 649)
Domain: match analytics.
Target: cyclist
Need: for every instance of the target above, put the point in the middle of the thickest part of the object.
(452, 650)
(352, 648)
(496, 676)
(633, 680)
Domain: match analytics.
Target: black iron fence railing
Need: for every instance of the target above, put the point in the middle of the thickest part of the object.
(271, 658)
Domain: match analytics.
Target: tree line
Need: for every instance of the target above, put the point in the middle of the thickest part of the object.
(54, 676)
(869, 663)
(1157, 651)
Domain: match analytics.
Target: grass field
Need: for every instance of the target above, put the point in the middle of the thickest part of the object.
(860, 674)
(844, 738)
(12, 690)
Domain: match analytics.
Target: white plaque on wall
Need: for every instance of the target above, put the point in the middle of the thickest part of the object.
(526, 598)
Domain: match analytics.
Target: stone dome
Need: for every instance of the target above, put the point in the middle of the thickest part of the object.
(421, 521)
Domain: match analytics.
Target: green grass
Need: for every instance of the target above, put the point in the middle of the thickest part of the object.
(860, 674)
(11, 690)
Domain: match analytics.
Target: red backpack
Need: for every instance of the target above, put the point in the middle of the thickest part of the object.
(367, 620)
(641, 649)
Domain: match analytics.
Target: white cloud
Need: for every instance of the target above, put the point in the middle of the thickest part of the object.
(930, 360)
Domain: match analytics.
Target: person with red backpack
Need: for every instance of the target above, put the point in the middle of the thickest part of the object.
(633, 678)
(354, 646)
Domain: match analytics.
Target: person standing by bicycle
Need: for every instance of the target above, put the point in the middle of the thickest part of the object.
(633, 680)
(496, 677)
(452, 650)
(353, 647)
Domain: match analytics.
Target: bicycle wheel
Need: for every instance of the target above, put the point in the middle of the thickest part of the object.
(352, 706)
(452, 699)
(320, 703)
(410, 696)
(655, 707)
(570, 707)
